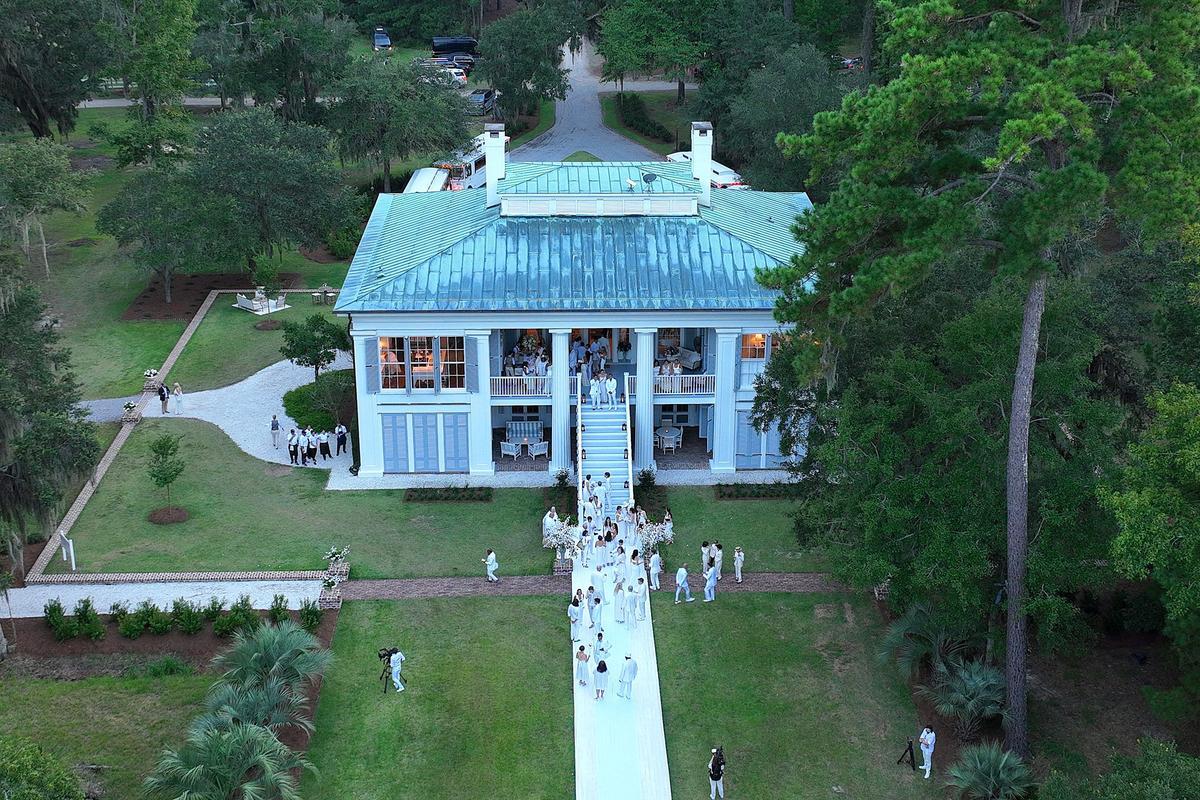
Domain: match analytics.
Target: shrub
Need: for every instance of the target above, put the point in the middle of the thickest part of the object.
(449, 494)
(131, 626)
(631, 109)
(284, 652)
(241, 617)
(310, 615)
(214, 608)
(969, 693)
(279, 609)
(1145, 613)
(919, 638)
(88, 621)
(166, 666)
(153, 618)
(28, 771)
(341, 243)
(117, 612)
(187, 617)
(321, 404)
(986, 772)
(64, 627)
(743, 491)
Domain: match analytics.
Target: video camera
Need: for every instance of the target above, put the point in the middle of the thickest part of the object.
(386, 653)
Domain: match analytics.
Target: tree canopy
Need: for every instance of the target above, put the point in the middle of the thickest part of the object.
(36, 178)
(521, 57)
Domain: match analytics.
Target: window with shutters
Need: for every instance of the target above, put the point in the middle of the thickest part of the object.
(453, 362)
(391, 362)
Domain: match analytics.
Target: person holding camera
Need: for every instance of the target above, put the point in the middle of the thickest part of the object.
(396, 661)
(716, 773)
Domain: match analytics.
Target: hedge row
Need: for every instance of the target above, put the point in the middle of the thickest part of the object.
(755, 491)
(631, 109)
(184, 616)
(449, 494)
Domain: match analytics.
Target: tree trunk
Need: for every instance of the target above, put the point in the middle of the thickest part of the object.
(45, 251)
(789, 9)
(1016, 723)
(387, 176)
(3, 645)
(166, 276)
(679, 96)
(868, 37)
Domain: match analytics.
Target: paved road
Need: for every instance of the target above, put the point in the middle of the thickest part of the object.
(121, 102)
(577, 124)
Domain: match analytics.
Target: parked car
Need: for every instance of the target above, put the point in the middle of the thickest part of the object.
(722, 176)
(481, 102)
(464, 61)
(454, 75)
(380, 40)
(453, 44)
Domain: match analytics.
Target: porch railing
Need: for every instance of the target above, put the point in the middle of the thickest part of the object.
(685, 384)
(530, 386)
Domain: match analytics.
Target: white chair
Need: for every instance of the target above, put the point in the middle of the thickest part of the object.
(670, 442)
(539, 449)
(689, 359)
(510, 449)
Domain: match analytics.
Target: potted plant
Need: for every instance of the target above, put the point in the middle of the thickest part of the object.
(339, 563)
(129, 412)
(150, 383)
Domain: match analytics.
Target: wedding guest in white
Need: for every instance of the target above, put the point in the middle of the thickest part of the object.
(710, 581)
(177, 397)
(396, 662)
(489, 561)
(631, 604)
(588, 604)
(581, 666)
(622, 522)
(619, 601)
(681, 584)
(575, 615)
(739, 558)
(640, 591)
(594, 391)
(669, 523)
(610, 390)
(598, 615)
(655, 569)
(719, 558)
(928, 740)
(602, 647)
(625, 681)
(601, 678)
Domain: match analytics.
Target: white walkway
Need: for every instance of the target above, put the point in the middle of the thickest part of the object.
(620, 749)
(28, 601)
(243, 410)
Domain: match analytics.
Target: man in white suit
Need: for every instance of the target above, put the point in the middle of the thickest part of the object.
(625, 681)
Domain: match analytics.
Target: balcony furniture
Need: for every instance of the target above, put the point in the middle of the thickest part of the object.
(510, 449)
(524, 431)
(689, 359)
(541, 448)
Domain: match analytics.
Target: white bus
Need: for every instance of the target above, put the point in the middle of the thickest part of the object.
(467, 169)
(428, 179)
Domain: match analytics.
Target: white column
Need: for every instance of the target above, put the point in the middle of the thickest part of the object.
(370, 428)
(643, 448)
(479, 426)
(724, 443)
(560, 394)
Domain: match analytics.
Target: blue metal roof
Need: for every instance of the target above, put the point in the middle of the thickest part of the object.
(445, 251)
(598, 177)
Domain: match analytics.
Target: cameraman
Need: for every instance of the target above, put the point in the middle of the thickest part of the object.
(716, 773)
(396, 661)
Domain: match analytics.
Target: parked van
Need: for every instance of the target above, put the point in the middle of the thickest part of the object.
(454, 44)
(428, 179)
(467, 169)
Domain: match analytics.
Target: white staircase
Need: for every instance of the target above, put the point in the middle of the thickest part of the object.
(604, 446)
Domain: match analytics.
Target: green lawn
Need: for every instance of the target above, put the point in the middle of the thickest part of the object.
(227, 348)
(247, 514)
(763, 528)
(789, 685)
(660, 106)
(581, 155)
(479, 716)
(121, 723)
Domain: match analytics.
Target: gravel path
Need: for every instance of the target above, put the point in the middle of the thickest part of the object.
(29, 601)
(109, 409)
(243, 410)
(577, 122)
(412, 588)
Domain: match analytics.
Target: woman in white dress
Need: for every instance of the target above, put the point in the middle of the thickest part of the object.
(668, 523)
(549, 521)
(622, 523)
(581, 666)
(594, 389)
(619, 599)
(575, 615)
(601, 679)
(621, 563)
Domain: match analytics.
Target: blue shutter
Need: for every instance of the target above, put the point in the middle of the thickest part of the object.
(395, 442)
(749, 443)
(775, 457)
(471, 364)
(454, 442)
(425, 442)
(371, 365)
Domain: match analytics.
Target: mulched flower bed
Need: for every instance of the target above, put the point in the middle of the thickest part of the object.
(168, 516)
(449, 494)
(320, 255)
(39, 653)
(268, 325)
(189, 291)
(30, 555)
(754, 491)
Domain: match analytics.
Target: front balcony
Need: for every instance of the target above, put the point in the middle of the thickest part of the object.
(533, 386)
(685, 384)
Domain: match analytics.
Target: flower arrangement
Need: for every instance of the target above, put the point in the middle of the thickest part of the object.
(528, 343)
(561, 534)
(655, 534)
(130, 406)
(329, 583)
(337, 555)
(150, 373)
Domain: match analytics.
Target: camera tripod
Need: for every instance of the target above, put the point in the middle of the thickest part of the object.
(909, 756)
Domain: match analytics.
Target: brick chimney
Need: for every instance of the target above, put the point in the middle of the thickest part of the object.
(702, 148)
(493, 154)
